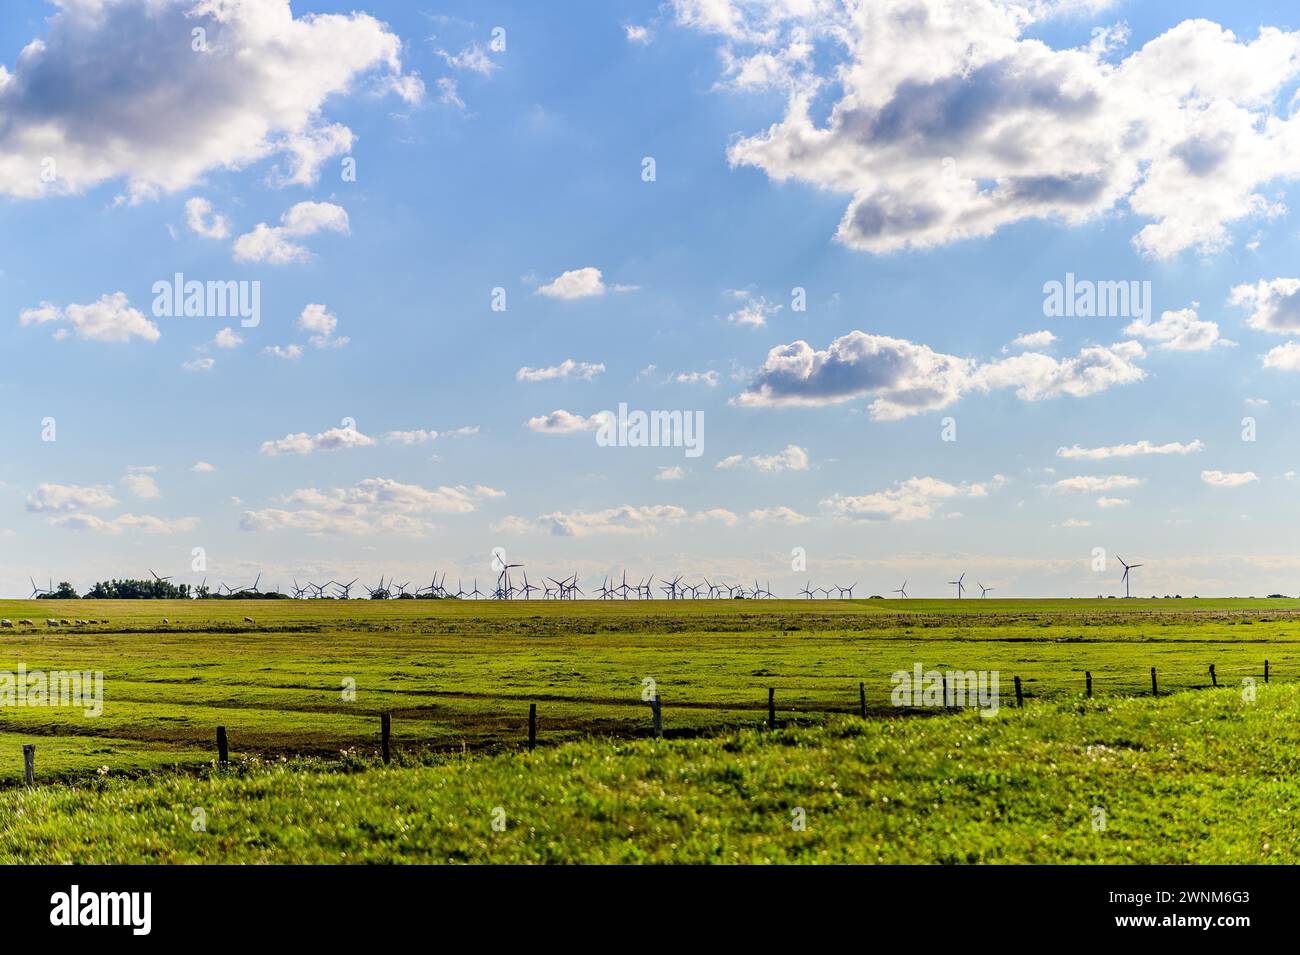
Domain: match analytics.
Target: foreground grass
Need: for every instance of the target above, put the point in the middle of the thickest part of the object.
(457, 674)
(1201, 777)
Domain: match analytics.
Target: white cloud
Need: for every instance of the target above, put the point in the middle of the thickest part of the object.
(111, 319)
(375, 505)
(1073, 522)
(114, 91)
(1275, 305)
(1179, 331)
(638, 34)
(202, 467)
(674, 473)
(227, 338)
(907, 378)
(287, 352)
(710, 378)
(719, 514)
(1283, 357)
(562, 422)
(202, 221)
(321, 324)
(947, 120)
(417, 436)
(1142, 447)
(1041, 339)
(1113, 502)
(1095, 483)
(754, 312)
(199, 364)
(915, 499)
(449, 93)
(125, 522)
(778, 515)
(792, 458)
(275, 245)
(623, 520)
(69, 497)
(1229, 479)
(576, 283)
(335, 439)
(142, 486)
(474, 58)
(565, 369)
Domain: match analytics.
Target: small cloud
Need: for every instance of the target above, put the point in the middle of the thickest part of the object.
(565, 369)
(754, 313)
(778, 515)
(227, 338)
(275, 245)
(793, 458)
(335, 439)
(563, 422)
(202, 221)
(1033, 340)
(1229, 479)
(288, 352)
(576, 283)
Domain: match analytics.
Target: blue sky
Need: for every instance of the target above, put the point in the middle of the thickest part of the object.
(479, 168)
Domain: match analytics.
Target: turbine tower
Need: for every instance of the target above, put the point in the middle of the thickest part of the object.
(960, 586)
(1127, 568)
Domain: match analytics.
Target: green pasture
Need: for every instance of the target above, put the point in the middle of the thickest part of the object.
(459, 676)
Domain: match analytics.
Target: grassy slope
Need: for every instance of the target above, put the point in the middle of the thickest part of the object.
(1197, 777)
(463, 673)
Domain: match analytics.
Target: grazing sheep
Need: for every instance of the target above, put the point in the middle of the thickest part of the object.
(248, 620)
(165, 620)
(51, 623)
(6, 623)
(24, 623)
(65, 622)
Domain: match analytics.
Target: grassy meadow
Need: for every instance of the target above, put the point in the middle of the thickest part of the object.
(458, 679)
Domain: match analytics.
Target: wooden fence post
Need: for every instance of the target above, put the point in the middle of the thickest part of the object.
(656, 708)
(385, 729)
(1265, 671)
(1154, 690)
(223, 750)
(771, 708)
(1087, 675)
(532, 726)
(862, 700)
(1020, 697)
(29, 764)
(1213, 678)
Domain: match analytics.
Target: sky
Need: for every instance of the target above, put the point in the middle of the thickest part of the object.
(832, 239)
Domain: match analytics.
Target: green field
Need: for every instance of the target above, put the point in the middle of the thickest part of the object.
(458, 679)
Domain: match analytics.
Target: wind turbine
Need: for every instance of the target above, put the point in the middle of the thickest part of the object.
(984, 591)
(901, 590)
(960, 586)
(159, 579)
(807, 590)
(1127, 568)
(846, 590)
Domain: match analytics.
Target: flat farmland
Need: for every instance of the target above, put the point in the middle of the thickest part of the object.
(458, 677)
